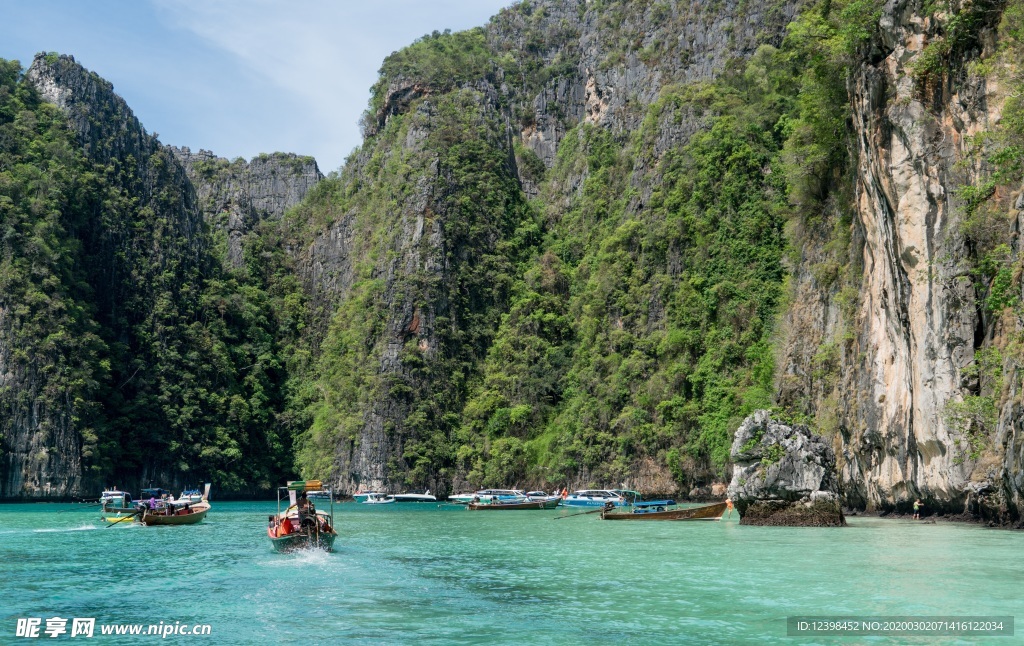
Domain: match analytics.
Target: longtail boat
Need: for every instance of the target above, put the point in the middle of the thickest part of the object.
(187, 514)
(704, 512)
(176, 513)
(301, 525)
(527, 504)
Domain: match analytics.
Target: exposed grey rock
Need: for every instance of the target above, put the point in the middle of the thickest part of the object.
(236, 195)
(673, 43)
(901, 355)
(783, 475)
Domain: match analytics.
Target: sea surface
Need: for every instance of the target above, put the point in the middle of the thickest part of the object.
(425, 574)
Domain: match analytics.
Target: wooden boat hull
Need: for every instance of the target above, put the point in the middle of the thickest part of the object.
(705, 512)
(197, 514)
(530, 504)
(301, 541)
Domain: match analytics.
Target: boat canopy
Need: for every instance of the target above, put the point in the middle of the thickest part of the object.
(654, 503)
(304, 485)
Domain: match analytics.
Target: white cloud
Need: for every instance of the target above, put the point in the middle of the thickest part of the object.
(321, 56)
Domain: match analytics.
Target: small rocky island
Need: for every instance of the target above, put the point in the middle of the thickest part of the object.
(783, 475)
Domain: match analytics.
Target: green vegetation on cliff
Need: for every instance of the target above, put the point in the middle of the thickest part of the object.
(619, 325)
(630, 320)
(119, 327)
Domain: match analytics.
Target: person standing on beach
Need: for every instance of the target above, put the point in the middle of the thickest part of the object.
(917, 509)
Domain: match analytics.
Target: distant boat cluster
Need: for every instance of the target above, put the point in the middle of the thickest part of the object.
(155, 506)
(603, 500)
(299, 524)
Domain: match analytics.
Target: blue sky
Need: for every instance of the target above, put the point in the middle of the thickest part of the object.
(238, 77)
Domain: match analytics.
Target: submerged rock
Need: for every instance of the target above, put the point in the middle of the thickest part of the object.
(783, 475)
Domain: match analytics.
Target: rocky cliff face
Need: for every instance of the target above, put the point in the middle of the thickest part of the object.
(457, 330)
(236, 195)
(903, 350)
(110, 385)
(43, 436)
(615, 61)
(917, 318)
(562, 70)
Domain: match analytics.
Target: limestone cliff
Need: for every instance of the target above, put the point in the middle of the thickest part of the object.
(580, 244)
(236, 195)
(902, 340)
(558, 69)
(126, 357)
(43, 443)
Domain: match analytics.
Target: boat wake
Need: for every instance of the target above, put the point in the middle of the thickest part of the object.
(81, 528)
(311, 557)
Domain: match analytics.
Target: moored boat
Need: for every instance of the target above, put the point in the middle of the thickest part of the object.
(488, 496)
(115, 501)
(175, 512)
(301, 525)
(415, 497)
(635, 499)
(594, 498)
(378, 499)
(321, 495)
(361, 496)
(553, 500)
(190, 496)
(703, 512)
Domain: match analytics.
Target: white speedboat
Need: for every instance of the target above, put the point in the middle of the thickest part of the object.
(362, 496)
(415, 497)
(594, 498)
(323, 495)
(115, 501)
(190, 496)
(377, 498)
(111, 495)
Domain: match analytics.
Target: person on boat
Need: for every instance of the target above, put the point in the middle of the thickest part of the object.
(304, 507)
(152, 502)
(917, 509)
(728, 507)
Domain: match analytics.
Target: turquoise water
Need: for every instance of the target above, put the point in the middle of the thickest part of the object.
(406, 574)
